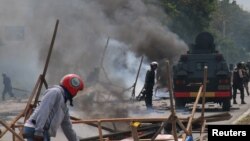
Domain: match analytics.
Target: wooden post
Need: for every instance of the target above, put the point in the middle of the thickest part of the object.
(28, 105)
(92, 124)
(41, 80)
(11, 124)
(171, 101)
(204, 92)
(35, 93)
(11, 130)
(47, 61)
(170, 89)
(13, 136)
(173, 114)
(161, 127)
(134, 126)
(100, 130)
(202, 130)
(203, 121)
(189, 126)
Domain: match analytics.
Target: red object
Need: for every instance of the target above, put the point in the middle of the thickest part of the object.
(215, 94)
(224, 81)
(73, 83)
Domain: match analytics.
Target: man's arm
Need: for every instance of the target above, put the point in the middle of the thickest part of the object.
(67, 128)
(146, 80)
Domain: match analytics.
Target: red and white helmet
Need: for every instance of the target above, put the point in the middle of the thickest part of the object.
(73, 83)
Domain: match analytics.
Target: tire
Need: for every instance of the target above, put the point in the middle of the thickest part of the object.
(226, 105)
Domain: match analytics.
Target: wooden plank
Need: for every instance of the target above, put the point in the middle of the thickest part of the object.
(11, 130)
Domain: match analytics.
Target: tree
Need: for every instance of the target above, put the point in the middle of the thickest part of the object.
(231, 25)
(189, 17)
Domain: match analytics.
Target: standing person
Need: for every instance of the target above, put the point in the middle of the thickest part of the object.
(53, 112)
(238, 83)
(149, 85)
(7, 86)
(245, 73)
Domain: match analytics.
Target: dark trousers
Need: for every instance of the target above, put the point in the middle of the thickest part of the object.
(7, 90)
(241, 88)
(148, 98)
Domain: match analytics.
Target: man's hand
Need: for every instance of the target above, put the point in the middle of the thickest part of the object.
(38, 138)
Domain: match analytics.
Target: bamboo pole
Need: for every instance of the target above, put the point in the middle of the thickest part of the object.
(170, 89)
(202, 130)
(100, 131)
(204, 92)
(173, 116)
(47, 61)
(27, 108)
(182, 126)
(203, 103)
(11, 130)
(134, 131)
(171, 101)
(122, 120)
(143, 119)
(144, 130)
(41, 79)
(91, 124)
(189, 126)
(13, 136)
(134, 85)
(11, 124)
(163, 124)
(35, 93)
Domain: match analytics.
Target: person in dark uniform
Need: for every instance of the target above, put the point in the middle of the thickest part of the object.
(149, 85)
(238, 83)
(245, 73)
(7, 86)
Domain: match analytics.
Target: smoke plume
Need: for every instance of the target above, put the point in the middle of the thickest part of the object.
(134, 27)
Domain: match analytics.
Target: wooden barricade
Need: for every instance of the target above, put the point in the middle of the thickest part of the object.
(33, 99)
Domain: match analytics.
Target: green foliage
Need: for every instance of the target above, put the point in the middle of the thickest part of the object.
(189, 17)
(231, 25)
(223, 18)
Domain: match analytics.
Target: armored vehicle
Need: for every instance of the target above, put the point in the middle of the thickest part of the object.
(188, 74)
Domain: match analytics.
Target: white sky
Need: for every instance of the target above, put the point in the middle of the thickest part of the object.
(245, 4)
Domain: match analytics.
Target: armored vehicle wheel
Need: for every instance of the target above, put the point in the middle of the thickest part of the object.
(179, 104)
(226, 105)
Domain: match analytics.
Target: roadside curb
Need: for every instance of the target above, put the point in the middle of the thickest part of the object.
(241, 117)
